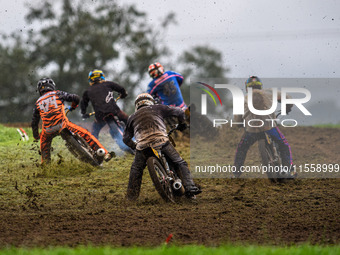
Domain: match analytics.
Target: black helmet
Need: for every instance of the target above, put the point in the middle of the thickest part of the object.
(254, 82)
(45, 84)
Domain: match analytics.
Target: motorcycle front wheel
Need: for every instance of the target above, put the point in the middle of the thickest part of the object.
(160, 179)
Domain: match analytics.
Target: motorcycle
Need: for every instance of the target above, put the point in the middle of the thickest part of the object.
(163, 174)
(117, 127)
(80, 148)
(271, 157)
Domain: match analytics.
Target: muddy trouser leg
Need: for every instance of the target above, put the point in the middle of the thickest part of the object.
(284, 147)
(247, 140)
(180, 163)
(116, 133)
(136, 174)
(96, 127)
(45, 146)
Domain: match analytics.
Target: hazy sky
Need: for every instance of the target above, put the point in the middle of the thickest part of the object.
(288, 38)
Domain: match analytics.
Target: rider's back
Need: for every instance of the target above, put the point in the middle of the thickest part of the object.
(51, 108)
(167, 88)
(101, 96)
(148, 127)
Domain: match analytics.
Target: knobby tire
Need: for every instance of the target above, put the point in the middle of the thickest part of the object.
(267, 157)
(81, 149)
(159, 178)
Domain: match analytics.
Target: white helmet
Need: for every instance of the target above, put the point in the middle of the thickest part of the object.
(143, 100)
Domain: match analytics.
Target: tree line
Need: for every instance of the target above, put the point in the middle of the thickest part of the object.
(66, 43)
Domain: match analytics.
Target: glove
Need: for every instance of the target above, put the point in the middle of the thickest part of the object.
(133, 145)
(74, 105)
(182, 126)
(36, 137)
(85, 116)
(70, 108)
(123, 95)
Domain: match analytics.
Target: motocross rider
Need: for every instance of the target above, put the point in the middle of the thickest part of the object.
(100, 94)
(50, 108)
(166, 86)
(262, 100)
(148, 127)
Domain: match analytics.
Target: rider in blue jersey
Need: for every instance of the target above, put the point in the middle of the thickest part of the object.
(166, 86)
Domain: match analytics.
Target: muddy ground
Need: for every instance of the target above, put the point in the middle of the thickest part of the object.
(246, 211)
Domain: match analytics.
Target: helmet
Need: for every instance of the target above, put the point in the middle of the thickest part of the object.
(95, 76)
(143, 99)
(45, 84)
(155, 70)
(254, 82)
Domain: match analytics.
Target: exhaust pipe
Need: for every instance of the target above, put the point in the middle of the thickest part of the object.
(100, 152)
(177, 185)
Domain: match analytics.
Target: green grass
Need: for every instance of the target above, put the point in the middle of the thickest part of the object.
(21, 170)
(173, 250)
(328, 126)
(10, 136)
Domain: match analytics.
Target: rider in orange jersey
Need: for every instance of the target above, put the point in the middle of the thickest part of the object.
(50, 108)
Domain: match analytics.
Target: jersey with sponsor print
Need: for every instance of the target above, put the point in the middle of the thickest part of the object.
(50, 108)
(101, 96)
(167, 89)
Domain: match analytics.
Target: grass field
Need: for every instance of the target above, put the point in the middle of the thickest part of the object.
(197, 250)
(328, 126)
(73, 208)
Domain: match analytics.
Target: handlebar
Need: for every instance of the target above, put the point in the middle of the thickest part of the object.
(278, 114)
(173, 130)
(68, 109)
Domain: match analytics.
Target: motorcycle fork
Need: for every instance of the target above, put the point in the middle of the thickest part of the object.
(161, 157)
(269, 141)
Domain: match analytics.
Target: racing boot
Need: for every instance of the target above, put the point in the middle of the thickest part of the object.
(101, 156)
(109, 156)
(192, 191)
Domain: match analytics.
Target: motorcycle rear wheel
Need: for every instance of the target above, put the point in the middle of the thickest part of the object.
(79, 148)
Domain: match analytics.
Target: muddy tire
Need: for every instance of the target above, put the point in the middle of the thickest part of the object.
(267, 156)
(79, 148)
(160, 179)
